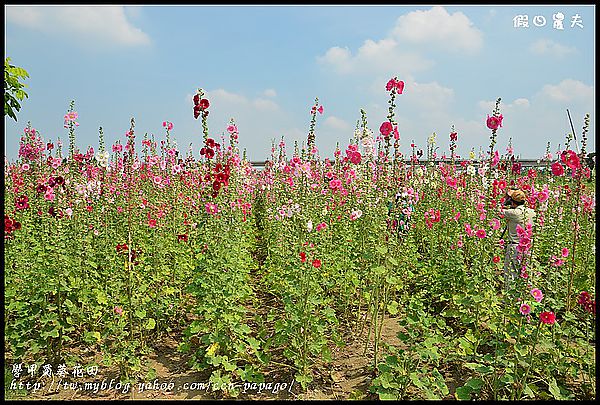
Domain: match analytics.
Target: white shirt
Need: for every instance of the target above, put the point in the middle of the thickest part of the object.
(520, 215)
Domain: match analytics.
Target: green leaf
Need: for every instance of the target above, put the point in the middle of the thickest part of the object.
(140, 313)
(463, 393)
(554, 390)
(381, 249)
(475, 384)
(527, 391)
(393, 308)
(151, 324)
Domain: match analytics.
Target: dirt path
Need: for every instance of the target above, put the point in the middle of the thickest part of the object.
(347, 376)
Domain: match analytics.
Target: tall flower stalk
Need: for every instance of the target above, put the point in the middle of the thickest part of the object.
(313, 121)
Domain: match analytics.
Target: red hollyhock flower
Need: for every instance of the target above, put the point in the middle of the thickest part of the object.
(453, 136)
(22, 202)
(216, 185)
(196, 99)
(496, 259)
(303, 257)
(570, 159)
(41, 188)
(386, 128)
(204, 104)
(316, 263)
(557, 169)
(548, 318)
(182, 238)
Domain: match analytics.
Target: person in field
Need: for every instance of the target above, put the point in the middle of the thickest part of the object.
(516, 213)
(399, 213)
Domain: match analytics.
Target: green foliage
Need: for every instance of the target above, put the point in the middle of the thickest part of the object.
(13, 88)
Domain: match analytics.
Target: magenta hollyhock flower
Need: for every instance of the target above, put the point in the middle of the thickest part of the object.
(390, 84)
(524, 309)
(548, 317)
(565, 252)
(481, 233)
(386, 128)
(494, 122)
(570, 158)
(399, 86)
(537, 294)
(320, 226)
(320, 109)
(495, 159)
(152, 223)
(557, 169)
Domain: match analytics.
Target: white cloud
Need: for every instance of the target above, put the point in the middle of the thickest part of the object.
(264, 104)
(100, 23)
(569, 90)
(270, 93)
(548, 47)
(392, 56)
(375, 57)
(435, 26)
(429, 96)
(487, 106)
(337, 124)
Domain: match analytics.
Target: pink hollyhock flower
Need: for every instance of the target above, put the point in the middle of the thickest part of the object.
(152, 223)
(396, 133)
(320, 226)
(118, 310)
(25, 167)
(494, 223)
(524, 309)
(481, 233)
(468, 230)
(537, 294)
(320, 109)
(565, 252)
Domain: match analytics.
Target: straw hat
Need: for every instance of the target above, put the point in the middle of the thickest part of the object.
(517, 195)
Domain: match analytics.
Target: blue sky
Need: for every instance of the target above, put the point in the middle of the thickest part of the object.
(264, 66)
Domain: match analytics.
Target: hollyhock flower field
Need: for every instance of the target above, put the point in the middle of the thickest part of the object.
(108, 249)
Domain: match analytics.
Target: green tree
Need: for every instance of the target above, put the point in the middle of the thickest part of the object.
(13, 88)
